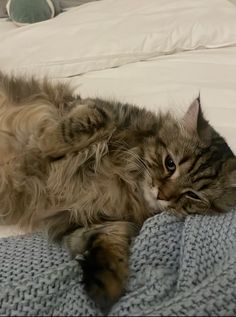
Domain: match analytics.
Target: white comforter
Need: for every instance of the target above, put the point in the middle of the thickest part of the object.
(164, 52)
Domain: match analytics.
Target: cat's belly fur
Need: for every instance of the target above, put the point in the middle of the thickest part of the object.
(19, 125)
(92, 196)
(42, 188)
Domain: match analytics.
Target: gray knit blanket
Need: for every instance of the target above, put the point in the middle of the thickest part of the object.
(177, 268)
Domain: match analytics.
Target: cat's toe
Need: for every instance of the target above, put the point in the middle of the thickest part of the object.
(76, 243)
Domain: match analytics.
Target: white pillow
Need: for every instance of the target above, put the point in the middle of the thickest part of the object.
(111, 33)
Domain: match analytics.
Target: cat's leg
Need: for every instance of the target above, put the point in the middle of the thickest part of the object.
(105, 259)
(82, 126)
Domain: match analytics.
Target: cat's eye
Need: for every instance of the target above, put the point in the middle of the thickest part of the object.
(192, 195)
(170, 164)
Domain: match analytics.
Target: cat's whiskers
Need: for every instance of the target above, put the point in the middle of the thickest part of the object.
(125, 149)
(137, 159)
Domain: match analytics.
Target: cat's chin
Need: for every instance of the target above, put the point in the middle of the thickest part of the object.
(150, 195)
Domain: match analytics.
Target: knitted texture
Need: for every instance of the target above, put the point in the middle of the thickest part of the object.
(177, 269)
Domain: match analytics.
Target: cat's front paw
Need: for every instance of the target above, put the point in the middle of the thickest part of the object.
(103, 255)
(105, 272)
(84, 119)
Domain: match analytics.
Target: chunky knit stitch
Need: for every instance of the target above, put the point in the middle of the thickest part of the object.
(177, 268)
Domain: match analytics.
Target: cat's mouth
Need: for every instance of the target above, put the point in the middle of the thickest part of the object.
(155, 198)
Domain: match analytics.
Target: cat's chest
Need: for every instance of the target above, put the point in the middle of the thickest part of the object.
(117, 196)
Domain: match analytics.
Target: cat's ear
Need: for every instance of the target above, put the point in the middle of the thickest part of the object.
(195, 122)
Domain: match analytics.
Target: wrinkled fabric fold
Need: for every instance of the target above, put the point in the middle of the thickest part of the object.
(185, 268)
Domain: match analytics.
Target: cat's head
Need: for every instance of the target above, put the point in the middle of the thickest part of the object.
(191, 169)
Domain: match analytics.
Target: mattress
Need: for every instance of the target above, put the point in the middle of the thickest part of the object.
(159, 54)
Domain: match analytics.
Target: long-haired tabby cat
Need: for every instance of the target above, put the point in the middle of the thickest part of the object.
(91, 172)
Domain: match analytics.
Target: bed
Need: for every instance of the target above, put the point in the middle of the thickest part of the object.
(159, 54)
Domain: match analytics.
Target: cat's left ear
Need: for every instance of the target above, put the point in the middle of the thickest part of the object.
(195, 122)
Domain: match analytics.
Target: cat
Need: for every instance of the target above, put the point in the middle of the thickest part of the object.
(89, 172)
